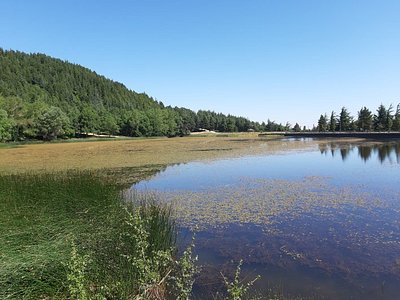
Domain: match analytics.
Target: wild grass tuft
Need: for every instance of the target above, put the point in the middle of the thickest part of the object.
(70, 235)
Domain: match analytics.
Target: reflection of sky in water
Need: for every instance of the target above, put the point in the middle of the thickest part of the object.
(373, 169)
(337, 251)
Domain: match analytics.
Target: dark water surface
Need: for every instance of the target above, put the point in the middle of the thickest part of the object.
(322, 223)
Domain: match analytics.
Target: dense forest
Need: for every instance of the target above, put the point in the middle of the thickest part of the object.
(385, 119)
(44, 98)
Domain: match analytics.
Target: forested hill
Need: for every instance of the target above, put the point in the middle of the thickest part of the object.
(35, 77)
(43, 98)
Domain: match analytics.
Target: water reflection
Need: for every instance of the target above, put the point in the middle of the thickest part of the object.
(383, 151)
(314, 224)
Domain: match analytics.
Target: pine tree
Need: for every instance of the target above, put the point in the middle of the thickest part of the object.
(365, 119)
(380, 118)
(344, 120)
(332, 122)
(396, 119)
(322, 123)
(296, 127)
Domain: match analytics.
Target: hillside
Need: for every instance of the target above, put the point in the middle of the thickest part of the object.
(69, 86)
(44, 98)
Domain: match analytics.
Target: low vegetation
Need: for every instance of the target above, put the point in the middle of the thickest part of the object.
(74, 236)
(134, 158)
(237, 289)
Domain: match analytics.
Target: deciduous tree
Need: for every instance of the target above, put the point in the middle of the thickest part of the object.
(6, 125)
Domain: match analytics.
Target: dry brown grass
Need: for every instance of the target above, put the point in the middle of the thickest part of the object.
(121, 154)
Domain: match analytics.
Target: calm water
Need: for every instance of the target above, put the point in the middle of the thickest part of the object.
(323, 222)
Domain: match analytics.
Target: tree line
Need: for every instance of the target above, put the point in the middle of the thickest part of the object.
(21, 120)
(384, 119)
(46, 98)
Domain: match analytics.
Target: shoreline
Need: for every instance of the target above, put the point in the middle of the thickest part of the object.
(366, 135)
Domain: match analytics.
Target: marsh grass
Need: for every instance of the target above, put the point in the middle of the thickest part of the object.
(46, 218)
(39, 215)
(134, 153)
(161, 225)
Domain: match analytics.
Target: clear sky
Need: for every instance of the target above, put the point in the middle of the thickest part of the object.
(282, 60)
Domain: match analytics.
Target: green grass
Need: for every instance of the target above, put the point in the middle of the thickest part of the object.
(8, 145)
(75, 235)
(41, 216)
(76, 140)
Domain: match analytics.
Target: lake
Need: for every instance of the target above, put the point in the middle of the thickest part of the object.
(318, 222)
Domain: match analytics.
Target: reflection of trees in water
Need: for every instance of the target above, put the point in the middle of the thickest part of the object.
(383, 151)
(323, 148)
(344, 152)
(364, 152)
(387, 151)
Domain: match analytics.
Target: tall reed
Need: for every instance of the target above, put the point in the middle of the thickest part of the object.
(42, 216)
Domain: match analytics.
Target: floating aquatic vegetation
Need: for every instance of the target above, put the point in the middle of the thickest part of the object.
(311, 222)
(344, 224)
(260, 201)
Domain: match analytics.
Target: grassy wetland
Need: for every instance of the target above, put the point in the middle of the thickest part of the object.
(316, 218)
(73, 236)
(98, 155)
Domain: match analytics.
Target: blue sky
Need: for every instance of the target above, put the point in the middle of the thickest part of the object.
(282, 60)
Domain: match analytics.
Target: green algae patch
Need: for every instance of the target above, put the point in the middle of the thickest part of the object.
(259, 201)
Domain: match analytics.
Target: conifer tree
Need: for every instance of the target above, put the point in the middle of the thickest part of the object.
(396, 119)
(332, 122)
(365, 119)
(322, 123)
(345, 120)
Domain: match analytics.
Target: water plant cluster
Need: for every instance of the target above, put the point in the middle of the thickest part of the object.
(285, 223)
(259, 201)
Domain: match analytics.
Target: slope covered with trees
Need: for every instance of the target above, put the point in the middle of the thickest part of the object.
(44, 98)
